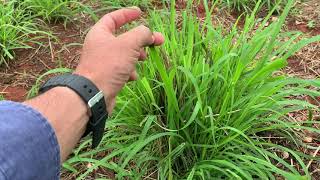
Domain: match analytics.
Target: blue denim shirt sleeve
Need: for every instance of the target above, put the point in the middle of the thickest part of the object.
(29, 147)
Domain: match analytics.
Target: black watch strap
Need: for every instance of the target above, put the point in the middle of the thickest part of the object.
(92, 96)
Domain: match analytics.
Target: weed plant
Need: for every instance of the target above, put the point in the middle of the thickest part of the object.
(205, 103)
(16, 29)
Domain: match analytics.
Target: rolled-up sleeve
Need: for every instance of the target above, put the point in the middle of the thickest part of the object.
(29, 147)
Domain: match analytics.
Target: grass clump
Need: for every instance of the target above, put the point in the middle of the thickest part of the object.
(204, 104)
(16, 28)
(54, 10)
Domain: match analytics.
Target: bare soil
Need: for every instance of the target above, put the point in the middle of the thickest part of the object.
(305, 18)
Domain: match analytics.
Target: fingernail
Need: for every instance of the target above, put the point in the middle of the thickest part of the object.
(153, 39)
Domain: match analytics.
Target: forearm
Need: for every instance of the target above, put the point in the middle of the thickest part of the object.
(66, 112)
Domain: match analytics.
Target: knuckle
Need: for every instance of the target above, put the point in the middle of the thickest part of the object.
(112, 21)
(145, 29)
(146, 35)
(136, 52)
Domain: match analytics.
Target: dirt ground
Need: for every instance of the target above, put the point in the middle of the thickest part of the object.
(306, 18)
(64, 51)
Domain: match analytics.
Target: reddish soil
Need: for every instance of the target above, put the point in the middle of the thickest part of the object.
(303, 27)
(306, 63)
(306, 17)
(14, 93)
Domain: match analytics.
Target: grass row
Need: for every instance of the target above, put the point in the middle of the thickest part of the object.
(204, 104)
(19, 22)
(18, 26)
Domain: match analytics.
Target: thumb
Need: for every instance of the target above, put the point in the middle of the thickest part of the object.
(116, 19)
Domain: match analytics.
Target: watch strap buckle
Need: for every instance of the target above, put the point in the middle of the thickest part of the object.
(95, 99)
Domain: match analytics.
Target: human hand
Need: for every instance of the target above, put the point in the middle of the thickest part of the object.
(108, 60)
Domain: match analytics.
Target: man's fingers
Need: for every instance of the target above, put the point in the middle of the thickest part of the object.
(134, 76)
(116, 19)
(140, 37)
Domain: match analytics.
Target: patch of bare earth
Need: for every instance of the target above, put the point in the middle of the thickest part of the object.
(306, 18)
(306, 64)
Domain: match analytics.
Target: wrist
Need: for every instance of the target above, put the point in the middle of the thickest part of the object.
(91, 95)
(102, 86)
(67, 94)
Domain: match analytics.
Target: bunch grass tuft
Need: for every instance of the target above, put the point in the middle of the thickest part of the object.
(17, 30)
(204, 104)
(54, 10)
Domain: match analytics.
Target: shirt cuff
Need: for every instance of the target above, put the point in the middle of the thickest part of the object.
(29, 146)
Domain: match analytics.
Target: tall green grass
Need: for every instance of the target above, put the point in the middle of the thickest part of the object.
(16, 29)
(205, 103)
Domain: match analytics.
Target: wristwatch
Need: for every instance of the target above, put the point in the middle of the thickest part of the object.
(91, 95)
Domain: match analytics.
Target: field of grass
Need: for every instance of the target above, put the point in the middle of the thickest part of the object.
(212, 103)
(16, 28)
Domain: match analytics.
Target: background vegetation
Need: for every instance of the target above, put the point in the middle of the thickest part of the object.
(53, 10)
(16, 28)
